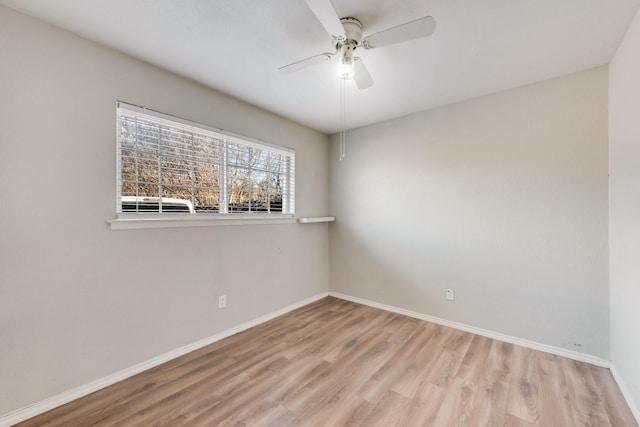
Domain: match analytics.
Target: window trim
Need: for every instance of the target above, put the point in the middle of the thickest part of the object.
(133, 220)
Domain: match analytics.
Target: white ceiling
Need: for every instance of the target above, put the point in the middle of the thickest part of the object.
(236, 46)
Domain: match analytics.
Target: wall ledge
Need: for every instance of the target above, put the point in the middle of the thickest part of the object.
(316, 219)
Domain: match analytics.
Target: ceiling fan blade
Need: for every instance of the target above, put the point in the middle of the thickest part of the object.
(326, 14)
(361, 75)
(422, 27)
(304, 63)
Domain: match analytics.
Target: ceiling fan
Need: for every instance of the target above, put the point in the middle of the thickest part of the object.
(346, 34)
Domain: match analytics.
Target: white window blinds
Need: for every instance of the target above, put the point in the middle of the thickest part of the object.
(169, 165)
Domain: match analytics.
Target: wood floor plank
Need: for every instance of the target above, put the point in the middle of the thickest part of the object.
(616, 408)
(457, 406)
(351, 412)
(389, 411)
(385, 377)
(349, 372)
(177, 402)
(337, 363)
(425, 405)
(275, 416)
(448, 361)
(398, 366)
(413, 369)
(512, 421)
(555, 405)
(585, 400)
(212, 415)
(492, 373)
(473, 363)
(524, 392)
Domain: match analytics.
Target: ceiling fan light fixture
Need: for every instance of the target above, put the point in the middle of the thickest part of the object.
(347, 63)
(347, 69)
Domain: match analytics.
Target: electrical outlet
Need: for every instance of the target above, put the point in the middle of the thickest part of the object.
(222, 301)
(451, 295)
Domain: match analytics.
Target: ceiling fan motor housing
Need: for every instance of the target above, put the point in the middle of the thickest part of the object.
(353, 32)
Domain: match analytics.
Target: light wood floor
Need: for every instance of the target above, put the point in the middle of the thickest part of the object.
(336, 363)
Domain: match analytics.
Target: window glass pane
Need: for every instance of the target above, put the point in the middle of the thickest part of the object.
(275, 203)
(238, 178)
(176, 171)
(207, 200)
(261, 161)
(238, 155)
(147, 135)
(172, 167)
(206, 174)
(128, 164)
(258, 179)
(128, 189)
(147, 190)
(147, 167)
(176, 192)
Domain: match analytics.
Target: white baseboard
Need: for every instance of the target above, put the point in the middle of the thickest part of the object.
(582, 357)
(60, 399)
(78, 392)
(624, 388)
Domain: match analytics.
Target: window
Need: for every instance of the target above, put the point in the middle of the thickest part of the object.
(170, 166)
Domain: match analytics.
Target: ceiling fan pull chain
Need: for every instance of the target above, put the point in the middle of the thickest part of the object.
(343, 135)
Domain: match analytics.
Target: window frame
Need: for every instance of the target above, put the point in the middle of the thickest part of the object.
(223, 217)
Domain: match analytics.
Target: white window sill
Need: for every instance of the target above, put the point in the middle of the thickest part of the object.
(132, 222)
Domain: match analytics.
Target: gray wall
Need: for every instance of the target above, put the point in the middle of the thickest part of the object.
(78, 301)
(502, 198)
(624, 152)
